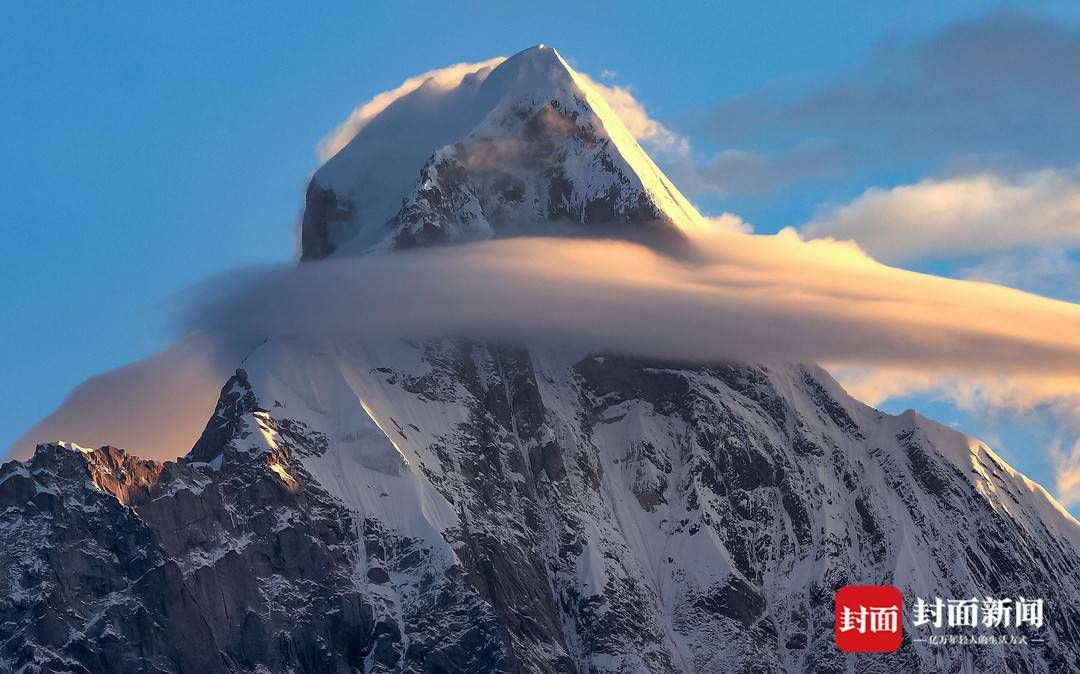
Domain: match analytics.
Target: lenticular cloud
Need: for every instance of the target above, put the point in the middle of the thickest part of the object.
(744, 297)
(741, 297)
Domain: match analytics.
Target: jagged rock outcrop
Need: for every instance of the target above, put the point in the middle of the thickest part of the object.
(125, 565)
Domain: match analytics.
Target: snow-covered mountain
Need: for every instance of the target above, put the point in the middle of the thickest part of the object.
(461, 506)
(525, 147)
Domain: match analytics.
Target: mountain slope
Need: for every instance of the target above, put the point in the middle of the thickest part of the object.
(467, 507)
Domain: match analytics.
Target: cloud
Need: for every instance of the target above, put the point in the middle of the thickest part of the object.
(741, 297)
(1053, 272)
(728, 172)
(1067, 471)
(884, 332)
(745, 297)
(742, 172)
(631, 112)
(998, 91)
(156, 407)
(1017, 392)
(729, 222)
(964, 215)
(440, 78)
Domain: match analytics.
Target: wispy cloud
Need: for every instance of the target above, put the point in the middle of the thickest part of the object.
(156, 407)
(1067, 468)
(994, 92)
(736, 172)
(654, 135)
(961, 216)
(1017, 393)
(440, 78)
(1051, 271)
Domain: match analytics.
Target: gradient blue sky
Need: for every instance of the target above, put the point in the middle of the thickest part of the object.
(149, 146)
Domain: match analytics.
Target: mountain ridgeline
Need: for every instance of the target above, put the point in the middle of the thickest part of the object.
(461, 506)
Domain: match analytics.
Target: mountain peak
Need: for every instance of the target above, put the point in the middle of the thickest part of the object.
(538, 53)
(534, 66)
(527, 147)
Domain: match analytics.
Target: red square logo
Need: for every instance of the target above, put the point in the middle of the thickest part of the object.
(869, 619)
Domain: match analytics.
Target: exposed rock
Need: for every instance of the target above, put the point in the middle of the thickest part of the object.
(521, 511)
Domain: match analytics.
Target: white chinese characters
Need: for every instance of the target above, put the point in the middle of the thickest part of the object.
(975, 612)
(871, 619)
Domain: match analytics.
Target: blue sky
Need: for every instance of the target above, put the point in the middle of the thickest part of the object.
(148, 147)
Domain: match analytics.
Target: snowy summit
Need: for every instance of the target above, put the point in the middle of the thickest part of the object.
(525, 146)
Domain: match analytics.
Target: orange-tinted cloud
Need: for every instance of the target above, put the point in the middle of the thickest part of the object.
(966, 215)
(744, 297)
(157, 407)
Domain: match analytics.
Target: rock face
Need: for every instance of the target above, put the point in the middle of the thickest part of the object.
(462, 507)
(112, 573)
(457, 506)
